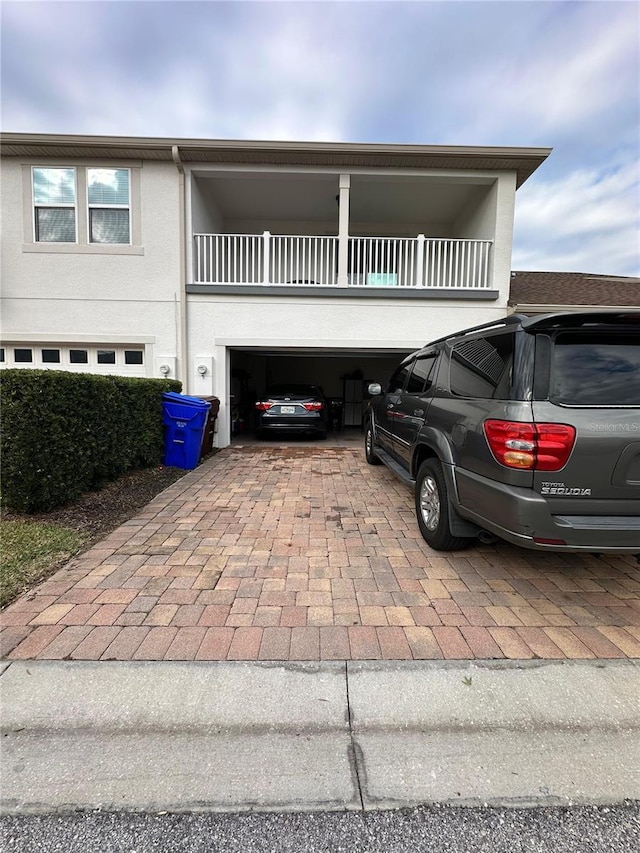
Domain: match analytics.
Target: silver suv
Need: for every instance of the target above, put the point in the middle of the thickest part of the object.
(525, 429)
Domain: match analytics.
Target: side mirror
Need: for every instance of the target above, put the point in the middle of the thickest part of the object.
(375, 389)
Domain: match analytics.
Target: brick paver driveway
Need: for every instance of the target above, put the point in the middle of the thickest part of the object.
(308, 553)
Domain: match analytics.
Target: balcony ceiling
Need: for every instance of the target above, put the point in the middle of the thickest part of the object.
(277, 196)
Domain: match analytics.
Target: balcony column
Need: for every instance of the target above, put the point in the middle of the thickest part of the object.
(420, 241)
(266, 257)
(343, 230)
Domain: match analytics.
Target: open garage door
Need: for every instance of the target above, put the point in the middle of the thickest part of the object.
(342, 375)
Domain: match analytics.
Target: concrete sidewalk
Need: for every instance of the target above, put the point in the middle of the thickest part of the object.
(332, 735)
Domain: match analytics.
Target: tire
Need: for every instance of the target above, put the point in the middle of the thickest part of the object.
(369, 454)
(432, 509)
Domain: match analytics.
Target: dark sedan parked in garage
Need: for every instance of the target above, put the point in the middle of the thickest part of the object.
(292, 409)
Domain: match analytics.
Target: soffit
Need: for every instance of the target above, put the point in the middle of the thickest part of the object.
(524, 161)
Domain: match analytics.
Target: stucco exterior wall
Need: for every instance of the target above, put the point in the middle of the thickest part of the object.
(57, 294)
(98, 296)
(217, 323)
(478, 220)
(319, 228)
(492, 219)
(327, 322)
(503, 239)
(207, 219)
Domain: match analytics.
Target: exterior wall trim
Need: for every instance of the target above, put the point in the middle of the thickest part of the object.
(348, 292)
(550, 308)
(82, 249)
(52, 337)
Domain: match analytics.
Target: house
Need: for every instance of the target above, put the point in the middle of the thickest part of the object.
(543, 292)
(231, 265)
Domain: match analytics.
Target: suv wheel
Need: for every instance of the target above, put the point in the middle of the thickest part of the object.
(370, 456)
(432, 509)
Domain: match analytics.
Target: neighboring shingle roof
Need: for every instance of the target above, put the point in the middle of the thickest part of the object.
(573, 288)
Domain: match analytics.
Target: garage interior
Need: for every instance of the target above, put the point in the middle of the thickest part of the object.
(342, 376)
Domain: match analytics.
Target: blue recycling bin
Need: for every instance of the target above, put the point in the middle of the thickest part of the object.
(184, 420)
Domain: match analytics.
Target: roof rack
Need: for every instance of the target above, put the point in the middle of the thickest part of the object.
(511, 320)
(582, 318)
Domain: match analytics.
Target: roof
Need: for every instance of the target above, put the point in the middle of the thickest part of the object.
(541, 290)
(524, 161)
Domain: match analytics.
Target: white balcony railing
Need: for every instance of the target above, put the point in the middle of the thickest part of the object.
(302, 260)
(229, 259)
(266, 259)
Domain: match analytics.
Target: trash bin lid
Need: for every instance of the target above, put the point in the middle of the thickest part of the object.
(174, 397)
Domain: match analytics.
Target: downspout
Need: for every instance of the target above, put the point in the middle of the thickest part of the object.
(182, 335)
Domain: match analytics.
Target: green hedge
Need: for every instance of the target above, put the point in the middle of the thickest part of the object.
(63, 434)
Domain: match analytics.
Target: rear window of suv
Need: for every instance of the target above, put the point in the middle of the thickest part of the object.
(596, 369)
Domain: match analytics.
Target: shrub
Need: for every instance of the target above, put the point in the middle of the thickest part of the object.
(65, 433)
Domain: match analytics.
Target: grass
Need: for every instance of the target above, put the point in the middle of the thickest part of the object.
(35, 546)
(30, 550)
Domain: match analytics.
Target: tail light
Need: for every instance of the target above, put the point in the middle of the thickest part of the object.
(530, 446)
(313, 407)
(263, 406)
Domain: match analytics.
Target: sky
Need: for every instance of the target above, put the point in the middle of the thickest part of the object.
(563, 74)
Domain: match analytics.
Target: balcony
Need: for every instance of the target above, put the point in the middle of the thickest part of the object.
(419, 263)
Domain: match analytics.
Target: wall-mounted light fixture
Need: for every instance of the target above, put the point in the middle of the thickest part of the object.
(165, 369)
(202, 369)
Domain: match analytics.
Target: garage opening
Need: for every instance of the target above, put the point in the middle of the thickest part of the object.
(342, 376)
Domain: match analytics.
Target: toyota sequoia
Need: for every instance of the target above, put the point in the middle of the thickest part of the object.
(525, 429)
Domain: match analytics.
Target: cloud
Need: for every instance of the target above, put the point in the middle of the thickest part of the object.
(196, 69)
(440, 72)
(586, 221)
(551, 72)
(563, 74)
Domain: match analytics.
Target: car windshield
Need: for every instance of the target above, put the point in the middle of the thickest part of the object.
(596, 369)
(294, 391)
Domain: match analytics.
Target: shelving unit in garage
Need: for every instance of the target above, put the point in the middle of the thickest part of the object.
(353, 402)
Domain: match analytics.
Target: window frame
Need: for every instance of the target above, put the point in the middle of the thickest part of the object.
(35, 206)
(90, 206)
(78, 348)
(66, 344)
(103, 355)
(83, 245)
(138, 350)
(17, 360)
(50, 349)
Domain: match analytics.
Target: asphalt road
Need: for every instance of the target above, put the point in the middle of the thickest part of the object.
(586, 829)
